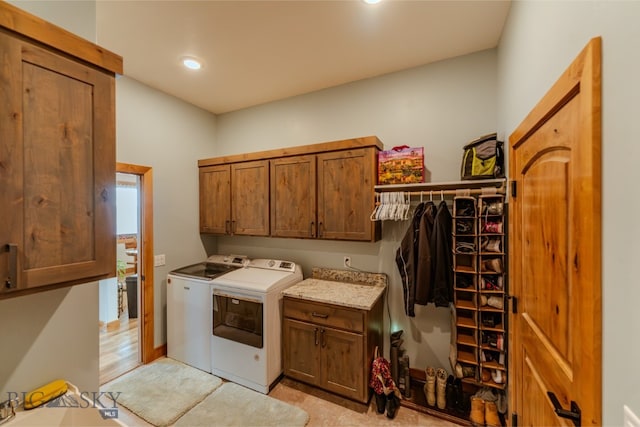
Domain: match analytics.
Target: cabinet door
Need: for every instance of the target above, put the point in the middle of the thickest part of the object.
(250, 198)
(293, 197)
(342, 363)
(345, 195)
(301, 351)
(57, 168)
(215, 199)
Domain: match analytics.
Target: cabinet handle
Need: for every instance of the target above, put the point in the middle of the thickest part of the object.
(233, 227)
(324, 342)
(320, 315)
(313, 228)
(315, 335)
(12, 277)
(227, 227)
(320, 229)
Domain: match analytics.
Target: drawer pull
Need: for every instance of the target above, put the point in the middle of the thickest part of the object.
(320, 315)
(315, 335)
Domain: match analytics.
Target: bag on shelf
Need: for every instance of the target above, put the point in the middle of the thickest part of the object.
(483, 158)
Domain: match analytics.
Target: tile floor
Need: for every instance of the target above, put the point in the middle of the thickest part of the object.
(327, 410)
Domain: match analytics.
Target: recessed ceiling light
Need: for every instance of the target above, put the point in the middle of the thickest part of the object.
(191, 63)
(371, 1)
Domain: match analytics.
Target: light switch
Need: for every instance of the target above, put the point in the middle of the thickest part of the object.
(159, 260)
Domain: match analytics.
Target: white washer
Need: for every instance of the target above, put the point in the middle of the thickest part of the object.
(189, 309)
(247, 322)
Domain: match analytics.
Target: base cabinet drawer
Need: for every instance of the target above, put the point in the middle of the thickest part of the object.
(325, 314)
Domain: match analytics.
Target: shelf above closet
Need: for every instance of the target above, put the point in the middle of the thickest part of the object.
(500, 184)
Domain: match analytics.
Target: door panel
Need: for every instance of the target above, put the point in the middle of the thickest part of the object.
(555, 259)
(342, 360)
(250, 198)
(301, 351)
(293, 197)
(215, 199)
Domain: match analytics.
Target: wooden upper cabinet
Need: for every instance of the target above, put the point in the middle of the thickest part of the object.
(323, 191)
(345, 195)
(234, 199)
(215, 199)
(250, 198)
(57, 167)
(293, 197)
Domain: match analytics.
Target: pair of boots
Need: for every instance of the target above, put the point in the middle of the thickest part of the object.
(389, 402)
(435, 387)
(484, 413)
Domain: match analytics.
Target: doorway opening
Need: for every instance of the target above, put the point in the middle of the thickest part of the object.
(126, 301)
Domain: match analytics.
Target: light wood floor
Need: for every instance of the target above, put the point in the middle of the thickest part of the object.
(118, 348)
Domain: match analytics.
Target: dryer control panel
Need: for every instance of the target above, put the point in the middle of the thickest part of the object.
(273, 264)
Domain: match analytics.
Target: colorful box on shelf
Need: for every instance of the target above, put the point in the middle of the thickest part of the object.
(402, 165)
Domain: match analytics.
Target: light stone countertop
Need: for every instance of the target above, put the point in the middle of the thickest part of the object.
(353, 295)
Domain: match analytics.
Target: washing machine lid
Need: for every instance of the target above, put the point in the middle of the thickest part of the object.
(215, 266)
(262, 276)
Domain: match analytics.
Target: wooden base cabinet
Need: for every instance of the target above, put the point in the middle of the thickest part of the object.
(330, 346)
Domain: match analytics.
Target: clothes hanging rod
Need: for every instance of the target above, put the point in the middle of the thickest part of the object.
(450, 187)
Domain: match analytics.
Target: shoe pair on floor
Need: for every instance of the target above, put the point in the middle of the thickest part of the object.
(484, 413)
(387, 402)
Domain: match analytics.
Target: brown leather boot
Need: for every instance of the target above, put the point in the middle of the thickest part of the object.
(491, 417)
(477, 411)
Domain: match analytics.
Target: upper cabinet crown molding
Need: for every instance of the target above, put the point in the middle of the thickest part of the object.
(344, 144)
(39, 30)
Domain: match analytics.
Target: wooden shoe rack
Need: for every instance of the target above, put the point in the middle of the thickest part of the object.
(479, 263)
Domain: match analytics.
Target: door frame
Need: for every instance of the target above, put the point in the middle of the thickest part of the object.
(148, 352)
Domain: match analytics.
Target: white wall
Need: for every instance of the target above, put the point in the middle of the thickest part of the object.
(157, 130)
(539, 42)
(53, 334)
(440, 107)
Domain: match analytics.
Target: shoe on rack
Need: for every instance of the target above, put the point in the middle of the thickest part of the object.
(491, 417)
(492, 265)
(441, 388)
(483, 300)
(492, 227)
(495, 302)
(486, 375)
(497, 377)
(477, 411)
(493, 208)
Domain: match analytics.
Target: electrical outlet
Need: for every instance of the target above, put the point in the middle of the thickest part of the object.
(347, 261)
(158, 260)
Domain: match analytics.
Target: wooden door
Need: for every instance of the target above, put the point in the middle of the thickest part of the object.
(215, 199)
(57, 164)
(346, 196)
(250, 198)
(556, 249)
(301, 350)
(342, 365)
(293, 197)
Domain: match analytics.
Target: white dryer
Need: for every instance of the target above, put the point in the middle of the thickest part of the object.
(247, 322)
